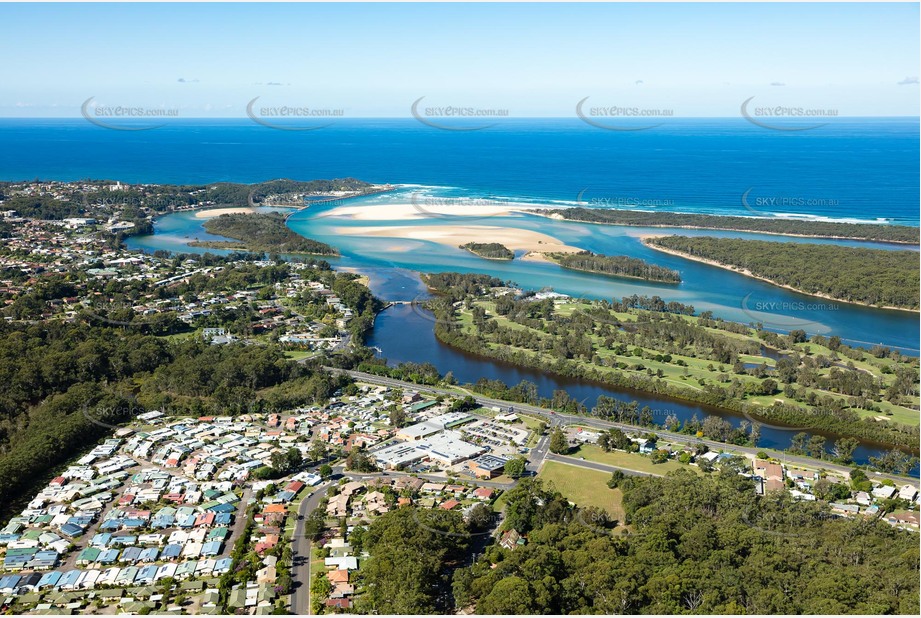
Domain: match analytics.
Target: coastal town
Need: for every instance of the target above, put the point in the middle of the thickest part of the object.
(460, 309)
(161, 516)
(238, 507)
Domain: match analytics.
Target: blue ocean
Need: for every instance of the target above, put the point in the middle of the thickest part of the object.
(848, 169)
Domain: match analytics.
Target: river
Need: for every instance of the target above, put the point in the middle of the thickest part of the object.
(406, 333)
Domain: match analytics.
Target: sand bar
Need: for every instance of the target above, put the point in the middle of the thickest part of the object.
(210, 213)
(456, 235)
(428, 208)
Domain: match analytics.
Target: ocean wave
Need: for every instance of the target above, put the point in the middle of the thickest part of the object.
(808, 217)
(460, 195)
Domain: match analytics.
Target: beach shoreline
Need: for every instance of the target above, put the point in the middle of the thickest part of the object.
(558, 217)
(210, 213)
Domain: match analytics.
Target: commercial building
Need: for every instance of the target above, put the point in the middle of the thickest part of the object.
(487, 466)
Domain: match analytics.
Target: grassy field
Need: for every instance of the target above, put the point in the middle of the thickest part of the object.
(300, 354)
(499, 503)
(178, 336)
(584, 487)
(692, 371)
(630, 461)
(532, 423)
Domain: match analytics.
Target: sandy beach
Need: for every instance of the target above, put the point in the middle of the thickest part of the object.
(535, 256)
(210, 213)
(423, 207)
(456, 235)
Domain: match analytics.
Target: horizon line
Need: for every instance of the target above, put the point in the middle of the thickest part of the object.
(461, 118)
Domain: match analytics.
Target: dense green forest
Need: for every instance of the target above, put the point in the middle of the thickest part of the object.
(696, 545)
(868, 276)
(615, 266)
(411, 551)
(489, 250)
(651, 346)
(823, 229)
(265, 232)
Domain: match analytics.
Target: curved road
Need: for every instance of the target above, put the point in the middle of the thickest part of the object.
(587, 421)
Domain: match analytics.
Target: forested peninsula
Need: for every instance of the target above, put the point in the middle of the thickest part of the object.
(874, 277)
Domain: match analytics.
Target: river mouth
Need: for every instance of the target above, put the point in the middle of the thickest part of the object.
(393, 276)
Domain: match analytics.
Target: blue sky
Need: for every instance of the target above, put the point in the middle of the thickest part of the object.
(532, 60)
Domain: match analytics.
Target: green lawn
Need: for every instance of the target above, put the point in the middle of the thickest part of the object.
(499, 504)
(178, 336)
(629, 461)
(532, 423)
(584, 487)
(300, 354)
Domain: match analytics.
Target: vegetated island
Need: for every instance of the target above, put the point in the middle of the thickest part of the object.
(646, 344)
(615, 266)
(489, 250)
(872, 277)
(260, 232)
(786, 227)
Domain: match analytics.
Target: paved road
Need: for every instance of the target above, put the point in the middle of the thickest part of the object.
(538, 454)
(300, 547)
(565, 419)
(239, 521)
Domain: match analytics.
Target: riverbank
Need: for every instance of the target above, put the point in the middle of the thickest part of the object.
(645, 238)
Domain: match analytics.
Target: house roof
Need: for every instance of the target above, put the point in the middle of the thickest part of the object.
(338, 576)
